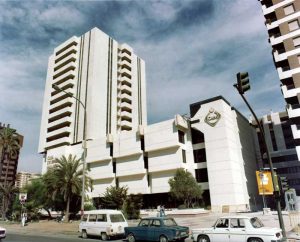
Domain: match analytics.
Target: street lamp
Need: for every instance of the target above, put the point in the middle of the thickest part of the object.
(57, 88)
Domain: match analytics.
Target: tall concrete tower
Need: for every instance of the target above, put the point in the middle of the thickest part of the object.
(283, 24)
(107, 77)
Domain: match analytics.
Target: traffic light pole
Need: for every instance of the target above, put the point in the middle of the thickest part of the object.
(276, 193)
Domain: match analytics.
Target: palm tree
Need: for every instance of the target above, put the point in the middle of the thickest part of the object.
(65, 178)
(9, 143)
(7, 191)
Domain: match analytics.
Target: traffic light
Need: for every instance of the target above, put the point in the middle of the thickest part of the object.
(283, 183)
(243, 84)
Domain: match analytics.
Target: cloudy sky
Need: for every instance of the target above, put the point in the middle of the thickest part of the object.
(192, 50)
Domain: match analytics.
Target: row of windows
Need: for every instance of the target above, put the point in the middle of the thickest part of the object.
(288, 170)
(201, 175)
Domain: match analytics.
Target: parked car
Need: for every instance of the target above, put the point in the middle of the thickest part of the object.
(2, 233)
(237, 229)
(104, 223)
(162, 229)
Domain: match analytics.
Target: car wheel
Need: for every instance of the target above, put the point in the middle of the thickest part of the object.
(131, 238)
(255, 240)
(84, 234)
(203, 238)
(163, 238)
(104, 236)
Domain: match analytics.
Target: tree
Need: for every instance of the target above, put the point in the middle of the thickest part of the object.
(132, 205)
(114, 197)
(9, 141)
(65, 178)
(9, 144)
(7, 191)
(184, 187)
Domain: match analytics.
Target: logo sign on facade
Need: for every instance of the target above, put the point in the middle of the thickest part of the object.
(212, 118)
(264, 182)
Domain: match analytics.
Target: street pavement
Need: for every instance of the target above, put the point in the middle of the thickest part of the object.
(49, 231)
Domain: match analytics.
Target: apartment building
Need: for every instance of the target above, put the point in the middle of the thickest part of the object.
(24, 178)
(109, 81)
(9, 165)
(122, 150)
(283, 25)
(281, 145)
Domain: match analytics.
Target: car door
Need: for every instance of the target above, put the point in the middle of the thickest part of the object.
(142, 231)
(221, 230)
(101, 224)
(155, 229)
(237, 230)
(91, 225)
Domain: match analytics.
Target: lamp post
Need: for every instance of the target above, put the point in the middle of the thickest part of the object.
(83, 146)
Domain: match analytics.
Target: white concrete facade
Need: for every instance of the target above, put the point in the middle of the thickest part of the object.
(230, 153)
(122, 150)
(107, 77)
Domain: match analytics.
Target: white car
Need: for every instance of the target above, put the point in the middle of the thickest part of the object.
(2, 233)
(104, 223)
(237, 229)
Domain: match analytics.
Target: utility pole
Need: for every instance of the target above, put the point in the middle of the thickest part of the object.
(243, 85)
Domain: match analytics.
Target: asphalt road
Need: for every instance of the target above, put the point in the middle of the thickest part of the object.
(36, 238)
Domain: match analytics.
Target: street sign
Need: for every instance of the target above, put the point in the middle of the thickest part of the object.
(264, 182)
(22, 198)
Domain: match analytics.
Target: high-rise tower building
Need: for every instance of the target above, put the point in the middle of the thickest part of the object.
(283, 24)
(109, 80)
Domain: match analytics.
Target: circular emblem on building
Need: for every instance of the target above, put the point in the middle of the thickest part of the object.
(213, 117)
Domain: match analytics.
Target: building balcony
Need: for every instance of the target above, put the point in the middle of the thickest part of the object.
(124, 106)
(289, 91)
(68, 59)
(61, 96)
(58, 132)
(125, 64)
(58, 142)
(126, 124)
(69, 76)
(125, 81)
(267, 10)
(59, 123)
(70, 44)
(125, 97)
(293, 110)
(67, 111)
(125, 56)
(296, 131)
(125, 89)
(69, 67)
(124, 72)
(279, 39)
(55, 108)
(125, 114)
(287, 74)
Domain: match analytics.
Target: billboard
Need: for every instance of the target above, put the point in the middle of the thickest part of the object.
(264, 182)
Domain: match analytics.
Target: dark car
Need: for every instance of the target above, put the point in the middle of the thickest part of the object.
(160, 229)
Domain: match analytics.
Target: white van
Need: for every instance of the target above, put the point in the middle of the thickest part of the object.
(105, 223)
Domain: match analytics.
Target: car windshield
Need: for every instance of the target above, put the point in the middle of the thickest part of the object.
(256, 223)
(170, 222)
(116, 218)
